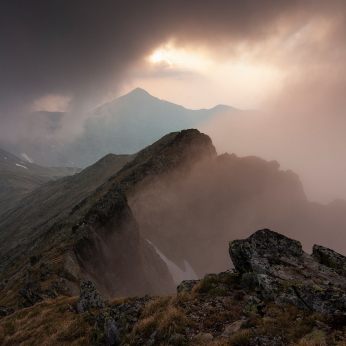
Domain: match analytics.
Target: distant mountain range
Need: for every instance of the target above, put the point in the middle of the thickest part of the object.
(123, 126)
(19, 177)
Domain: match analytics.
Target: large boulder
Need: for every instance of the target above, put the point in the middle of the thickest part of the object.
(283, 272)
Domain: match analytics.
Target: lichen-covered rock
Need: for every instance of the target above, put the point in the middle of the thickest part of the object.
(316, 336)
(112, 323)
(5, 311)
(261, 249)
(283, 272)
(233, 328)
(89, 298)
(106, 329)
(254, 306)
(187, 285)
(327, 300)
(329, 257)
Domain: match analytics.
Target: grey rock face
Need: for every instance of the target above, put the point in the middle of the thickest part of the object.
(254, 306)
(329, 258)
(112, 323)
(283, 272)
(89, 297)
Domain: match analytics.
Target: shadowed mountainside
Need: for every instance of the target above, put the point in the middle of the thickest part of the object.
(19, 177)
(84, 229)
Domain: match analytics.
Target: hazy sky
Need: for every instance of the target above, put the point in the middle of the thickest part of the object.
(285, 58)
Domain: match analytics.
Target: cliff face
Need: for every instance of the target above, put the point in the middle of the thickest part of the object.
(220, 197)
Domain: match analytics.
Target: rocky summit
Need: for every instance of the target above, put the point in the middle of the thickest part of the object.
(283, 272)
(276, 295)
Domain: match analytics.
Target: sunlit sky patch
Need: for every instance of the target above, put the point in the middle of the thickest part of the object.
(196, 79)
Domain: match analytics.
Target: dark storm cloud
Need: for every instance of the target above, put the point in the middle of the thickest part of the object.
(80, 47)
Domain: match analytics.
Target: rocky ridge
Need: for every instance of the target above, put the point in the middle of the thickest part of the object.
(94, 226)
(84, 229)
(276, 295)
(273, 278)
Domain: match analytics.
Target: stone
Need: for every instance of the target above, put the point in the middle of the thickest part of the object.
(205, 337)
(239, 295)
(317, 336)
(254, 306)
(112, 323)
(329, 257)
(152, 340)
(61, 287)
(281, 271)
(71, 308)
(187, 286)
(107, 329)
(177, 339)
(89, 297)
(233, 328)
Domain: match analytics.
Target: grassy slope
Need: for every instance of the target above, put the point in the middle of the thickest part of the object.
(213, 303)
(18, 178)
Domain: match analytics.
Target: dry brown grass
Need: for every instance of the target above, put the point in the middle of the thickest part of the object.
(46, 323)
(209, 285)
(164, 315)
(242, 338)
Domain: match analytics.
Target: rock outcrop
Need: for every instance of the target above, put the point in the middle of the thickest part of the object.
(281, 271)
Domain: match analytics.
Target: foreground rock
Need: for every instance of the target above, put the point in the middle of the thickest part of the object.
(111, 323)
(281, 271)
(270, 299)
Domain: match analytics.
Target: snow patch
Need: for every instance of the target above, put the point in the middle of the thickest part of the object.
(27, 157)
(177, 274)
(21, 165)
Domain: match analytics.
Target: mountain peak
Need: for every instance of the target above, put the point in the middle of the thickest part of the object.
(138, 92)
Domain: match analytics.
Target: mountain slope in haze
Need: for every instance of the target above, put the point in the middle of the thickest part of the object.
(123, 126)
(226, 197)
(84, 228)
(19, 177)
(176, 194)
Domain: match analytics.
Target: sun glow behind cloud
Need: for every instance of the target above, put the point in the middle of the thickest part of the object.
(181, 59)
(196, 78)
